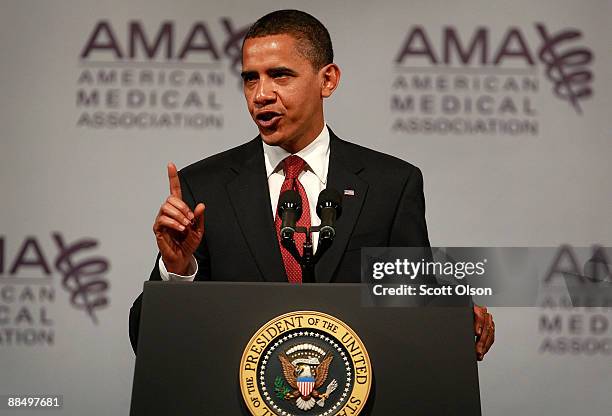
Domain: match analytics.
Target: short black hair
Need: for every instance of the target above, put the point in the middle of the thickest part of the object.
(313, 40)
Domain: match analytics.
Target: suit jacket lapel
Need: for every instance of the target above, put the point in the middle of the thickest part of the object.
(342, 175)
(249, 195)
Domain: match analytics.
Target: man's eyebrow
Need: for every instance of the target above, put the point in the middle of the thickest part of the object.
(281, 70)
(245, 74)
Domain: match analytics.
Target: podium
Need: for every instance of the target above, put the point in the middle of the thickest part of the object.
(193, 335)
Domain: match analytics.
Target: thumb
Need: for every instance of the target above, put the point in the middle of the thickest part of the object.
(478, 320)
(198, 213)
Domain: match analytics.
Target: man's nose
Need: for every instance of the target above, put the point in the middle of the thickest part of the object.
(265, 93)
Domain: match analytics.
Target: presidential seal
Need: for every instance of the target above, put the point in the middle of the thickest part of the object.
(305, 363)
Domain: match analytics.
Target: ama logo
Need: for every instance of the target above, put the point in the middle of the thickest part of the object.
(566, 64)
(579, 322)
(165, 74)
(197, 45)
(83, 275)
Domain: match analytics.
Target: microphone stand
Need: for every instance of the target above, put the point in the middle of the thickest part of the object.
(308, 259)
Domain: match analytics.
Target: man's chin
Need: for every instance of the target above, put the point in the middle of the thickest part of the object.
(272, 138)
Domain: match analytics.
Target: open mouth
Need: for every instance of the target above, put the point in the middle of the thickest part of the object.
(267, 119)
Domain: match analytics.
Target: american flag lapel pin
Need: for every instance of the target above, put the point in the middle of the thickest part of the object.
(349, 192)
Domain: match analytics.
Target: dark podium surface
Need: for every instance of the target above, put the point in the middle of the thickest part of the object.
(192, 337)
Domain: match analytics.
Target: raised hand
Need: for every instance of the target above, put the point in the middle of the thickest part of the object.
(177, 229)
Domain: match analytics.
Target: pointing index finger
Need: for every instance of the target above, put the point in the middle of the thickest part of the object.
(175, 184)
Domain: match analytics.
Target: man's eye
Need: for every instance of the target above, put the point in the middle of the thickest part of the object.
(281, 75)
(249, 81)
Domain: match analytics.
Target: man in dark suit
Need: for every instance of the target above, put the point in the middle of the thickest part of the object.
(288, 71)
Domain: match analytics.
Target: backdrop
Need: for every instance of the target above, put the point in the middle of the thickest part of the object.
(505, 106)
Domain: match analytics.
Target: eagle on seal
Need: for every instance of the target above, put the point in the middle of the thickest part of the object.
(305, 376)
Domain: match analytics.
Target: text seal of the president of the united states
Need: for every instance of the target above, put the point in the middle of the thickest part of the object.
(305, 363)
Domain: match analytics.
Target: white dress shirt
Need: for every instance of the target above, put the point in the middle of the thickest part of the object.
(313, 178)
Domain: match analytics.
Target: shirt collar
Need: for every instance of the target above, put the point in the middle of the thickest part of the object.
(316, 155)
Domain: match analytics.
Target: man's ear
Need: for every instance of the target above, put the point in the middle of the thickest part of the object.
(330, 78)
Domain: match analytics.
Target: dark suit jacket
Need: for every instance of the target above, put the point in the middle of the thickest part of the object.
(240, 243)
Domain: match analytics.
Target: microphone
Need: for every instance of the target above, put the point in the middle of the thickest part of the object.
(329, 208)
(290, 211)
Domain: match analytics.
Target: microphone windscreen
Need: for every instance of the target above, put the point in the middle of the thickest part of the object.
(329, 197)
(288, 200)
(289, 197)
(289, 210)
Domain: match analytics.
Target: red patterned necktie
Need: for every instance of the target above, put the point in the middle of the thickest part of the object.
(293, 166)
